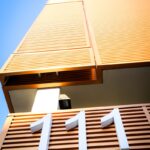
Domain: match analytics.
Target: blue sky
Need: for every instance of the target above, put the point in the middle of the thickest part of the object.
(16, 16)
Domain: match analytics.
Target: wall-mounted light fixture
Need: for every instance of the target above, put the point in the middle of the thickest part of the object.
(64, 102)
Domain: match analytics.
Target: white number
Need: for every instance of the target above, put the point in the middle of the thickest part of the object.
(79, 120)
(115, 117)
(45, 124)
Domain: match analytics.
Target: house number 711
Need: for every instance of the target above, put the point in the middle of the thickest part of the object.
(79, 120)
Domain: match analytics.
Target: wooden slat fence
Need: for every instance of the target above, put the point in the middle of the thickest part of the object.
(136, 121)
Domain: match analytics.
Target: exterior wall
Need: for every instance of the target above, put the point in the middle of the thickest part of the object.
(136, 120)
(56, 41)
(119, 87)
(121, 29)
(106, 34)
(72, 41)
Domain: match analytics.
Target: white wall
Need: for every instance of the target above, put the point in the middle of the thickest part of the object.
(120, 86)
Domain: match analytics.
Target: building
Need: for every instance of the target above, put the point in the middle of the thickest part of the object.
(96, 51)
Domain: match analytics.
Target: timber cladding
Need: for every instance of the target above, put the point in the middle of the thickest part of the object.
(57, 39)
(121, 29)
(17, 135)
(54, 59)
(58, 43)
(82, 35)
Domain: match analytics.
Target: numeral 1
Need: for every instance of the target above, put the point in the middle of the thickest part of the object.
(115, 117)
(45, 124)
(79, 120)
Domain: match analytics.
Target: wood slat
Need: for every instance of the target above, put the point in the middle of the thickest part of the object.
(50, 60)
(136, 124)
(57, 29)
(122, 31)
(55, 40)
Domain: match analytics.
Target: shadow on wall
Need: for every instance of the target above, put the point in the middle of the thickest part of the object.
(120, 86)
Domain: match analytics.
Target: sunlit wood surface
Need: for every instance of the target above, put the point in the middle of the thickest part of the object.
(84, 35)
(57, 40)
(121, 29)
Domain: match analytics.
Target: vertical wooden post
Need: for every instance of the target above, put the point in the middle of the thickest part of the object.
(5, 130)
(8, 99)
